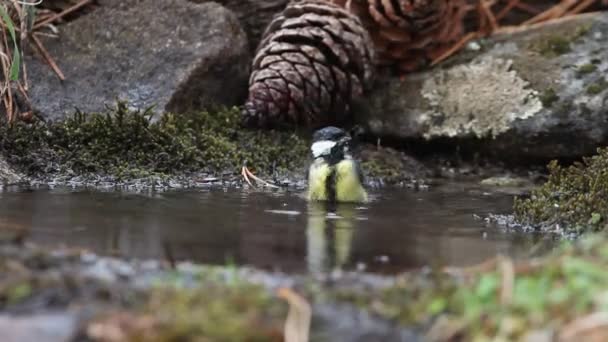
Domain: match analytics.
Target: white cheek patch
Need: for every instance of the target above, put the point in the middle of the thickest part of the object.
(321, 148)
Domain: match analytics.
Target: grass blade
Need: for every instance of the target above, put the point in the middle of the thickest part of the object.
(16, 62)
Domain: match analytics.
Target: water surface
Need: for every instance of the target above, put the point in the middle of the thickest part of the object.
(401, 229)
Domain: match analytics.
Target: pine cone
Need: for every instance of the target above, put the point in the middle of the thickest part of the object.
(314, 59)
(410, 33)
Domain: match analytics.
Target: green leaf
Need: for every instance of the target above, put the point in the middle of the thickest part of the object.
(16, 63)
(487, 286)
(437, 306)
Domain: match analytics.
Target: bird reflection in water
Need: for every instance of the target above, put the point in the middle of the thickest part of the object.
(330, 232)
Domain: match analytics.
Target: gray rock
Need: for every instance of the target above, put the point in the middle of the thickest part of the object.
(537, 94)
(7, 174)
(49, 327)
(255, 15)
(175, 54)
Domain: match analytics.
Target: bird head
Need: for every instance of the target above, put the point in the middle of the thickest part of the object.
(330, 143)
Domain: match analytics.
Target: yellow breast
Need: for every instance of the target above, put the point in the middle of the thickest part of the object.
(317, 177)
(348, 184)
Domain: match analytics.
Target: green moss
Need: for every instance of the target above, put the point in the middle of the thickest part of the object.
(574, 198)
(128, 144)
(557, 45)
(501, 301)
(566, 106)
(548, 97)
(390, 166)
(18, 292)
(586, 69)
(597, 87)
(554, 46)
(214, 311)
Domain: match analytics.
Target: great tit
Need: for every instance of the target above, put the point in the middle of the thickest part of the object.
(334, 175)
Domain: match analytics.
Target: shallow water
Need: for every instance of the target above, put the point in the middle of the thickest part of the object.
(401, 229)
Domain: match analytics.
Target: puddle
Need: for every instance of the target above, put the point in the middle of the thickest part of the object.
(401, 229)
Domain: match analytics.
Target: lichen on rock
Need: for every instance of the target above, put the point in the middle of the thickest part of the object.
(479, 99)
(506, 100)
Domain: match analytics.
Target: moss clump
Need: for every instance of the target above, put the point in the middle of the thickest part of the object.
(554, 46)
(126, 144)
(548, 97)
(597, 87)
(500, 300)
(414, 299)
(214, 311)
(384, 165)
(557, 45)
(586, 69)
(204, 303)
(574, 198)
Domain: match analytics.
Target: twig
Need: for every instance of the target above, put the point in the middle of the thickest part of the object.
(23, 92)
(580, 326)
(456, 47)
(486, 13)
(247, 174)
(528, 8)
(483, 267)
(523, 28)
(26, 84)
(8, 98)
(23, 34)
(581, 7)
(508, 280)
(512, 4)
(553, 12)
(47, 57)
(297, 324)
(62, 13)
(520, 268)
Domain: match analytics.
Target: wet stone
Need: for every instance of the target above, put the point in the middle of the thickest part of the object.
(8, 176)
(175, 55)
(48, 327)
(529, 96)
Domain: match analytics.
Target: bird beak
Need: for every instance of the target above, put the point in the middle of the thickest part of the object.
(322, 148)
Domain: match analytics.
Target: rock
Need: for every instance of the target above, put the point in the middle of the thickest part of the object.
(385, 165)
(505, 181)
(7, 174)
(50, 327)
(255, 15)
(532, 95)
(176, 55)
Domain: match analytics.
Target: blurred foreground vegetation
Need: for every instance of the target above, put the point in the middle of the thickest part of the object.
(560, 297)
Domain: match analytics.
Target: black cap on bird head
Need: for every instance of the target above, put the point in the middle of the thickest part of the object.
(330, 142)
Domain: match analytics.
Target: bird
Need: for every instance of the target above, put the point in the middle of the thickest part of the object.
(334, 176)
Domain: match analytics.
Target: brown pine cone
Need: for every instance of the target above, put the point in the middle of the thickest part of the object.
(314, 59)
(410, 33)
